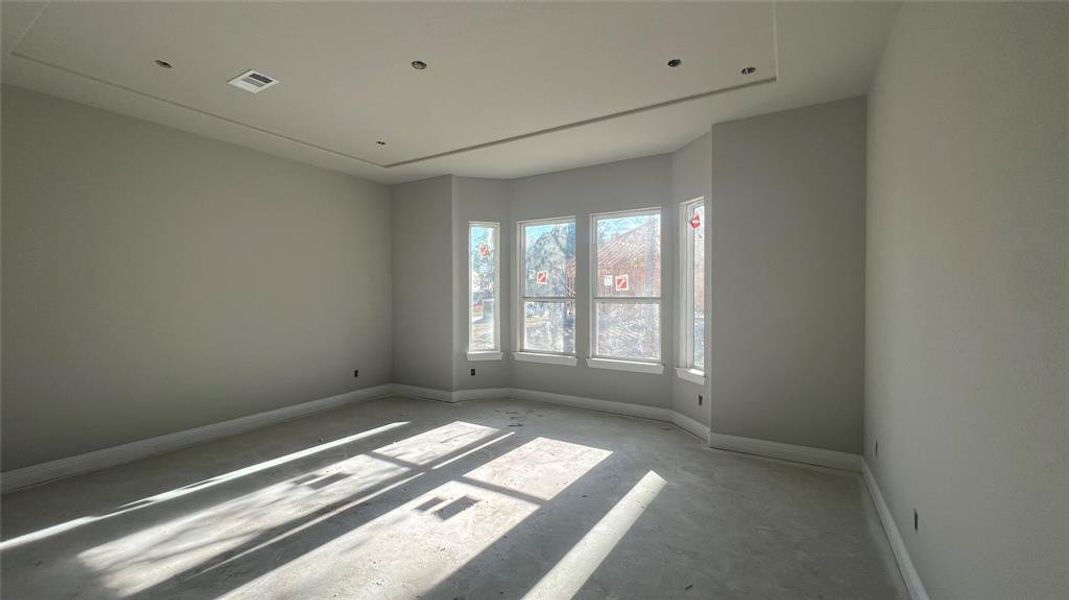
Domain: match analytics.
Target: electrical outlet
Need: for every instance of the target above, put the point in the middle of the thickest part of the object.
(356, 373)
(699, 399)
(473, 372)
(916, 520)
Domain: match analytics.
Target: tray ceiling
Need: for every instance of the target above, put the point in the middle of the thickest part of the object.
(518, 87)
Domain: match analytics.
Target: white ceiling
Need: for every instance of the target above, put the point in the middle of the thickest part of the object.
(512, 89)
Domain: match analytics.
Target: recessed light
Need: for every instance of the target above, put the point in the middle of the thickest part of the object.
(163, 63)
(675, 62)
(748, 70)
(419, 65)
(381, 143)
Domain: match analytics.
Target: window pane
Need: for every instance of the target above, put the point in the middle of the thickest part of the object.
(549, 259)
(482, 259)
(629, 256)
(549, 326)
(697, 225)
(629, 329)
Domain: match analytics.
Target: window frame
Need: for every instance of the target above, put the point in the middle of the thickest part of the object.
(687, 369)
(616, 363)
(520, 288)
(495, 352)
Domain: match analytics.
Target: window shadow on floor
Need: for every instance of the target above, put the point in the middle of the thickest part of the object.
(238, 557)
(505, 504)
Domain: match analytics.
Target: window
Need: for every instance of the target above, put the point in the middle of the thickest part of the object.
(627, 287)
(484, 336)
(547, 286)
(692, 296)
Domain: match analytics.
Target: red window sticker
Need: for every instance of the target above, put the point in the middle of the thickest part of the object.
(484, 250)
(622, 283)
(696, 220)
(542, 278)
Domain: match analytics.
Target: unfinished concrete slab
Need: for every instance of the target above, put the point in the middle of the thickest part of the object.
(401, 498)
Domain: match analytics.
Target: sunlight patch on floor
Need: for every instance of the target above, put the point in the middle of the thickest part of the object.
(434, 444)
(568, 575)
(423, 541)
(216, 535)
(193, 487)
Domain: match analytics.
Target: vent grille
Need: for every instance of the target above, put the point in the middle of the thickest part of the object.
(253, 81)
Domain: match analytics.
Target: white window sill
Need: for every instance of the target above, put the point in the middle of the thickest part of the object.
(474, 356)
(625, 365)
(691, 375)
(546, 359)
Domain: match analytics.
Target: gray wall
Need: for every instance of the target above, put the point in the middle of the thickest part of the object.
(787, 271)
(156, 281)
(637, 183)
(692, 177)
(481, 200)
(968, 295)
(423, 282)
(175, 258)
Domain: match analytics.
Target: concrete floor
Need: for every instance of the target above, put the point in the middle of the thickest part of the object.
(405, 498)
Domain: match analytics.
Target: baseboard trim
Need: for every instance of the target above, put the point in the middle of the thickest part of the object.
(482, 394)
(124, 453)
(422, 393)
(791, 452)
(606, 406)
(691, 425)
(115, 455)
(894, 537)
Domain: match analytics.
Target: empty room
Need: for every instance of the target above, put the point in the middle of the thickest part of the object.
(752, 300)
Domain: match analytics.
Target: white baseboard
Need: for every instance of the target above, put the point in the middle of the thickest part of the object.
(413, 391)
(801, 454)
(607, 406)
(894, 537)
(691, 425)
(99, 459)
(124, 453)
(482, 394)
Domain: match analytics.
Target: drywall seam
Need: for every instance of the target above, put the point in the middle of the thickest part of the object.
(124, 453)
(894, 537)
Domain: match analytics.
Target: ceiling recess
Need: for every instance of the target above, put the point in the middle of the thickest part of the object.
(253, 81)
(508, 113)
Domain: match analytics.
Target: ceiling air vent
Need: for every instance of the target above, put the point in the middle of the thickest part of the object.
(253, 81)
